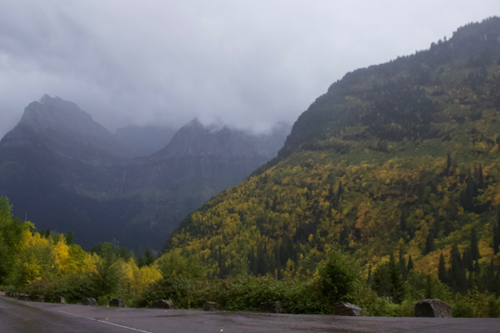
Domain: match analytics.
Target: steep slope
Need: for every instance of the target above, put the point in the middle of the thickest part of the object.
(196, 165)
(66, 130)
(64, 171)
(400, 158)
(56, 153)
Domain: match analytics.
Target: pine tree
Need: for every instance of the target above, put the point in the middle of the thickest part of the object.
(477, 269)
(496, 235)
(402, 266)
(490, 277)
(141, 262)
(251, 262)
(468, 194)
(410, 264)
(429, 243)
(467, 261)
(474, 248)
(480, 178)
(402, 223)
(395, 279)
(471, 281)
(70, 238)
(458, 276)
(340, 190)
(149, 258)
(449, 163)
(344, 237)
(428, 288)
(442, 269)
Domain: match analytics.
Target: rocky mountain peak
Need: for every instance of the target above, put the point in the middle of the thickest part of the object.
(195, 139)
(65, 129)
(56, 114)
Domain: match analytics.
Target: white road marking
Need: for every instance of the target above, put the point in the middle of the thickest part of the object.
(106, 322)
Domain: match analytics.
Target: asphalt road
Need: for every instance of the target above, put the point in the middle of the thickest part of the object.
(25, 317)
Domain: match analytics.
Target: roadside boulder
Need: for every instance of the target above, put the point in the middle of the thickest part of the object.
(117, 302)
(163, 304)
(433, 308)
(89, 301)
(346, 309)
(210, 306)
(60, 300)
(270, 307)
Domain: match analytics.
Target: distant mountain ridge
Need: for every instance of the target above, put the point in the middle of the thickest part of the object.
(67, 172)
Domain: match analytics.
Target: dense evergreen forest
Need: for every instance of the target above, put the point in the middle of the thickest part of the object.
(386, 192)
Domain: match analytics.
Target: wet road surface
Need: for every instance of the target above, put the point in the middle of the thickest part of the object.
(25, 317)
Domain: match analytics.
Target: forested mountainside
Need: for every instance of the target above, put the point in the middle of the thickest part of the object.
(67, 172)
(396, 160)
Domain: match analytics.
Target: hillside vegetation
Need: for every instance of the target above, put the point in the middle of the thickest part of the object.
(386, 192)
(398, 163)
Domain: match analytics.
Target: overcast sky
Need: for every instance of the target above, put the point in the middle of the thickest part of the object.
(246, 63)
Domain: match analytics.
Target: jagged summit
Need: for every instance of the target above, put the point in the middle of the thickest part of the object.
(54, 113)
(65, 129)
(69, 173)
(195, 139)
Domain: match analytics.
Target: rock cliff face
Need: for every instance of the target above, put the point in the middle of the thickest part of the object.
(67, 172)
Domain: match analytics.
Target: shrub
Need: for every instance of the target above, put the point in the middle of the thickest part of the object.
(476, 305)
(175, 288)
(339, 277)
(72, 287)
(173, 263)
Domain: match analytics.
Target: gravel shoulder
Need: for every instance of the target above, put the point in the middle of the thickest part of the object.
(21, 316)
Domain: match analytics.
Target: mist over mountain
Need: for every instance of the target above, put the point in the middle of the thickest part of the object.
(64, 129)
(67, 172)
(143, 141)
(398, 160)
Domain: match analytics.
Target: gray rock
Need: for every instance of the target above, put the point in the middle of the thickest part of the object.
(163, 304)
(272, 307)
(37, 298)
(346, 309)
(117, 302)
(60, 300)
(433, 308)
(210, 306)
(89, 301)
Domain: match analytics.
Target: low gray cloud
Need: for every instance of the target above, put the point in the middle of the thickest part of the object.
(248, 64)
